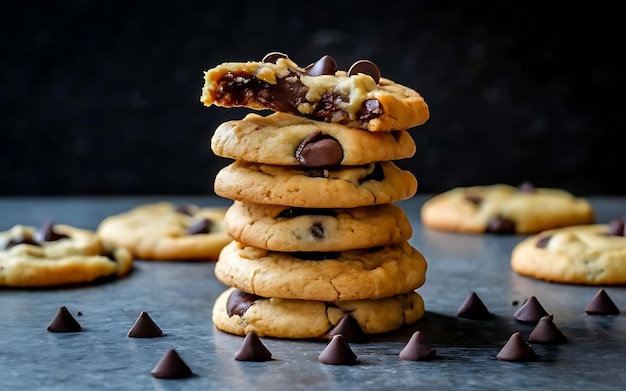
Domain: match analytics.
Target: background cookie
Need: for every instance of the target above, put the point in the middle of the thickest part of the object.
(282, 228)
(586, 254)
(62, 255)
(502, 208)
(343, 187)
(348, 275)
(279, 139)
(164, 231)
(282, 318)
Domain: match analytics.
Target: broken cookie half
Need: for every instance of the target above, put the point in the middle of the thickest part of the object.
(358, 98)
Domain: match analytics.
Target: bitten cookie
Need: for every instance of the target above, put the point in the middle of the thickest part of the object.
(57, 255)
(164, 231)
(238, 313)
(341, 187)
(593, 254)
(283, 228)
(358, 98)
(329, 276)
(504, 209)
(285, 139)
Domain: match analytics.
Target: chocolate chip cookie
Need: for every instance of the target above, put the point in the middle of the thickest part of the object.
(340, 187)
(240, 313)
(592, 254)
(57, 255)
(289, 229)
(358, 98)
(329, 276)
(285, 139)
(504, 209)
(165, 231)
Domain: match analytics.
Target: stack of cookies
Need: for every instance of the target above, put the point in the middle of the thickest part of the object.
(318, 240)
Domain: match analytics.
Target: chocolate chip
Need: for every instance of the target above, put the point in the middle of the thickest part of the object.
(144, 327)
(317, 231)
(473, 198)
(319, 151)
(238, 302)
(337, 352)
(617, 226)
(324, 66)
(417, 349)
(63, 322)
(295, 212)
(531, 311)
(367, 67)
(316, 173)
(501, 225)
(171, 366)
(203, 226)
(473, 308)
(546, 332)
(22, 239)
(273, 57)
(601, 304)
(349, 328)
(370, 109)
(542, 242)
(516, 349)
(46, 233)
(526, 187)
(377, 174)
(253, 349)
(184, 209)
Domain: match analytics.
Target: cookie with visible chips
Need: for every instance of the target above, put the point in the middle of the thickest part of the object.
(165, 231)
(504, 209)
(56, 255)
(240, 313)
(339, 187)
(328, 276)
(285, 139)
(283, 228)
(591, 254)
(359, 98)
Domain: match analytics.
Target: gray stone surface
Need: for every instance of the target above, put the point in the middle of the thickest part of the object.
(179, 297)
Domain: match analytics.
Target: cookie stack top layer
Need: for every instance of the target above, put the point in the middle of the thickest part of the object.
(358, 98)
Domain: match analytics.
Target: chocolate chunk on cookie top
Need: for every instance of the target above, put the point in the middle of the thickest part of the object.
(359, 98)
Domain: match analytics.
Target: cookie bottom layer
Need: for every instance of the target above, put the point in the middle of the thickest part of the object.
(300, 319)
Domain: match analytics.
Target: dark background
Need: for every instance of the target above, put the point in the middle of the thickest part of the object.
(103, 97)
